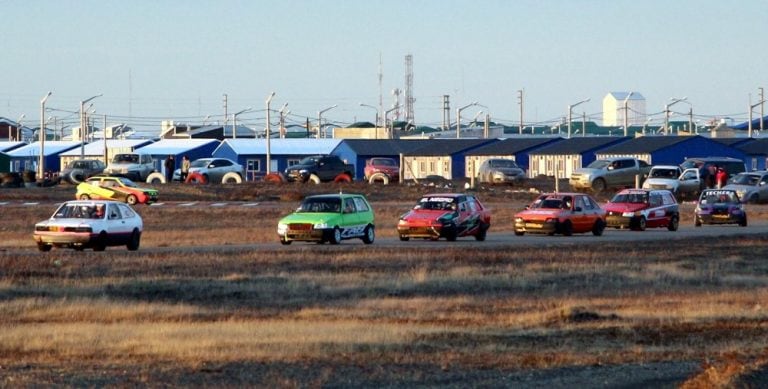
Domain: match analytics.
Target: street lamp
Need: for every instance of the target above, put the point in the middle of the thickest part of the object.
(269, 131)
(205, 119)
(234, 121)
(82, 124)
(376, 122)
(751, 107)
(18, 129)
(666, 112)
(320, 119)
(458, 117)
(570, 114)
(41, 161)
(283, 112)
(626, 113)
(386, 113)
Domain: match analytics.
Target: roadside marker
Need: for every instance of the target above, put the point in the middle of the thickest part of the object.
(29, 204)
(218, 204)
(188, 204)
(250, 204)
(156, 204)
(3, 202)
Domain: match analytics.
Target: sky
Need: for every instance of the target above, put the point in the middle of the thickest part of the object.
(176, 59)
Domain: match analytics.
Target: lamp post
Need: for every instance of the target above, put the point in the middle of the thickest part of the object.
(41, 161)
(269, 131)
(666, 112)
(458, 117)
(18, 129)
(283, 112)
(376, 122)
(386, 113)
(82, 124)
(626, 113)
(570, 114)
(320, 119)
(205, 119)
(234, 121)
(752, 107)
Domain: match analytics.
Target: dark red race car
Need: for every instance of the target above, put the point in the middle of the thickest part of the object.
(445, 215)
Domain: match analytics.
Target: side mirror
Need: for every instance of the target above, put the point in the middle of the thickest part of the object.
(577, 209)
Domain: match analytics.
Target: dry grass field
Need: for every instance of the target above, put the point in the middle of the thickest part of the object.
(686, 313)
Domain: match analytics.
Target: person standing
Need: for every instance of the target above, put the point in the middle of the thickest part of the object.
(722, 178)
(170, 165)
(184, 168)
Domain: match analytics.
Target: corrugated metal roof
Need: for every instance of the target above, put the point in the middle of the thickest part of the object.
(440, 147)
(174, 146)
(645, 144)
(97, 147)
(385, 146)
(283, 146)
(512, 146)
(51, 147)
(579, 145)
(756, 147)
(5, 146)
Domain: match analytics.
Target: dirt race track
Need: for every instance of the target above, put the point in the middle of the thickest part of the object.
(211, 299)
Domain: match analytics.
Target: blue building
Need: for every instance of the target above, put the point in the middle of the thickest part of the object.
(358, 151)
(97, 149)
(192, 148)
(284, 152)
(516, 149)
(756, 153)
(561, 158)
(670, 150)
(25, 158)
(441, 157)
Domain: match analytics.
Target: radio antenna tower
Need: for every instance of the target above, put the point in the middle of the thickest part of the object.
(409, 100)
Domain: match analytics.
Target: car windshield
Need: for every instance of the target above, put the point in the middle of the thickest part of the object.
(80, 211)
(331, 204)
(718, 197)
(599, 164)
(200, 163)
(552, 203)
(309, 161)
(633, 198)
(126, 158)
(502, 163)
(128, 182)
(746, 179)
(664, 173)
(436, 204)
(384, 162)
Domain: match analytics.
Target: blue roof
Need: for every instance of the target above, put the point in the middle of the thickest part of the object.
(282, 146)
(174, 146)
(52, 147)
(97, 147)
(6, 146)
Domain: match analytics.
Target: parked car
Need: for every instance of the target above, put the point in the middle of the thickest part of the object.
(751, 187)
(136, 166)
(445, 215)
(79, 170)
(213, 170)
(638, 209)
(115, 188)
(329, 218)
(319, 168)
(687, 185)
(719, 206)
(90, 224)
(561, 213)
(500, 171)
(383, 169)
(609, 173)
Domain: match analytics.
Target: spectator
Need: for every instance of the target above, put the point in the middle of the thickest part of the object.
(184, 168)
(722, 178)
(170, 165)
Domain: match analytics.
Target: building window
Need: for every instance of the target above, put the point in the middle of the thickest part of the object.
(292, 162)
(252, 168)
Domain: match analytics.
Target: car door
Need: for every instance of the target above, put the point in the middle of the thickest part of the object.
(117, 225)
(762, 188)
(350, 218)
(656, 212)
(689, 181)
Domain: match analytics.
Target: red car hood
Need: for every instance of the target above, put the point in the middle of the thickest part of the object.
(539, 214)
(624, 207)
(421, 215)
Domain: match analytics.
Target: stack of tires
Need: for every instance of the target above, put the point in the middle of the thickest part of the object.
(10, 180)
(29, 179)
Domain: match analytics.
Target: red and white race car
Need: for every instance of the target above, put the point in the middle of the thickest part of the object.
(445, 215)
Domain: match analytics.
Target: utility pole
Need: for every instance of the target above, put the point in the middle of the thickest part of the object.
(520, 101)
(762, 105)
(446, 112)
(225, 111)
(690, 120)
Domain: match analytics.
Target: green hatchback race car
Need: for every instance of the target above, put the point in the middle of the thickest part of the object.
(329, 218)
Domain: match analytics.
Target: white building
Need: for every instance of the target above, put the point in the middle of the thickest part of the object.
(614, 110)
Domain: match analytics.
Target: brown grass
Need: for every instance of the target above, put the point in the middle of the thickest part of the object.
(356, 315)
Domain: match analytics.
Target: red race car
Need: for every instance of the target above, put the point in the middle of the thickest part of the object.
(561, 213)
(445, 215)
(638, 209)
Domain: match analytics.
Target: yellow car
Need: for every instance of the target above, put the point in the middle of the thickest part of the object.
(115, 188)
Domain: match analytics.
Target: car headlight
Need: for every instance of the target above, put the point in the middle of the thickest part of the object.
(303, 171)
(519, 220)
(320, 226)
(282, 228)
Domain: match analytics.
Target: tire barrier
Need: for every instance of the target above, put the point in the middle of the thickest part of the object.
(196, 178)
(275, 178)
(343, 178)
(156, 178)
(314, 179)
(231, 178)
(378, 178)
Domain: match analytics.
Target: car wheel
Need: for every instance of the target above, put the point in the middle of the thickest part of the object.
(44, 247)
(135, 241)
(519, 232)
(598, 228)
(481, 232)
(313, 178)
(696, 221)
(641, 223)
(285, 242)
(450, 233)
(101, 242)
(369, 234)
(567, 228)
(743, 221)
(674, 223)
(404, 238)
(598, 185)
(335, 236)
(85, 197)
(232, 178)
(379, 178)
(131, 199)
(754, 199)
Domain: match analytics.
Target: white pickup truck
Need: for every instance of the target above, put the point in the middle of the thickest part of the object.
(682, 183)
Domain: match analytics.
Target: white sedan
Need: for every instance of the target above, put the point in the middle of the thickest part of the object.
(90, 224)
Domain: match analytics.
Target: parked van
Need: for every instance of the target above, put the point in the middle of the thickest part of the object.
(732, 166)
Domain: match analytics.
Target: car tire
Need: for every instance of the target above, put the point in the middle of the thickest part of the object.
(335, 237)
(482, 232)
(598, 185)
(44, 247)
(519, 232)
(404, 238)
(232, 178)
(135, 241)
(641, 224)
(313, 178)
(101, 242)
(598, 228)
(743, 221)
(369, 235)
(131, 199)
(285, 242)
(378, 178)
(451, 234)
(275, 178)
(156, 178)
(674, 223)
(754, 198)
(84, 197)
(566, 228)
(696, 221)
(343, 178)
